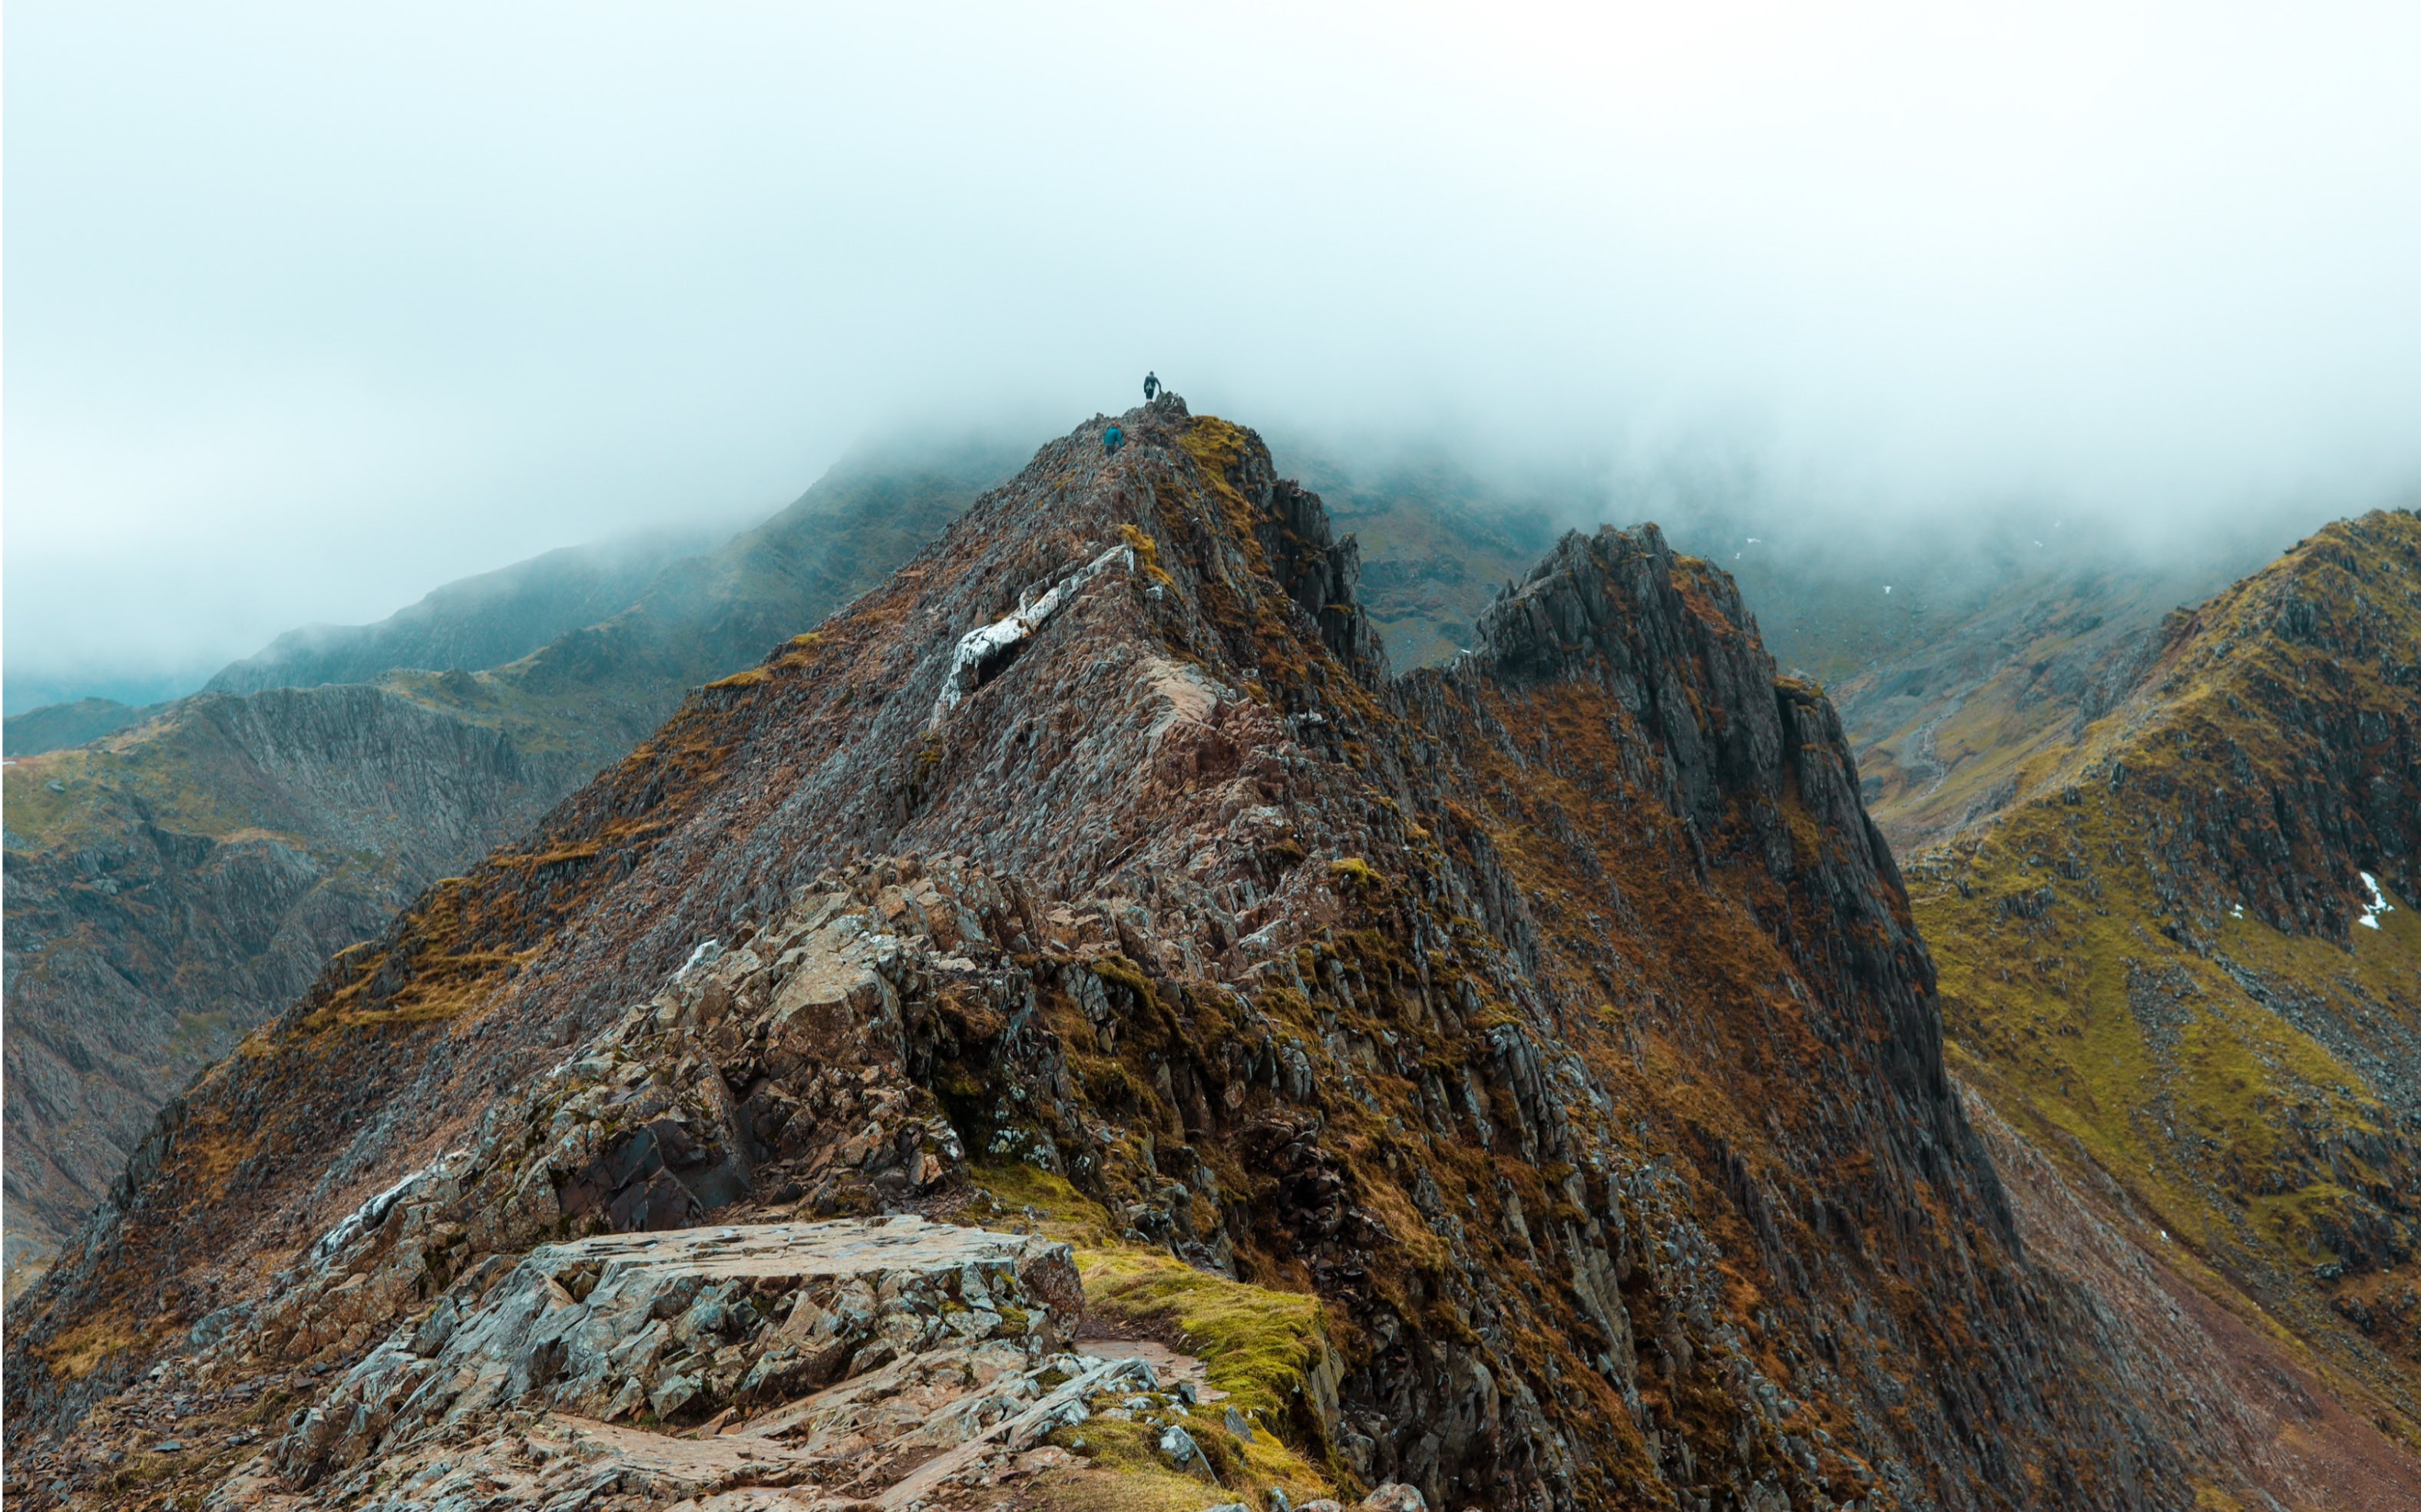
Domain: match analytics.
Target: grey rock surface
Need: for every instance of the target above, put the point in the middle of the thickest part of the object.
(687, 1323)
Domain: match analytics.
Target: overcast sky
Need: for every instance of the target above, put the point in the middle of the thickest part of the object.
(311, 307)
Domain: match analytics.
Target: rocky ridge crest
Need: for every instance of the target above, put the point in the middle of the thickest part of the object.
(1555, 1019)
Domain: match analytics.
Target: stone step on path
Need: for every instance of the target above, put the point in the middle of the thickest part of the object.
(1063, 1407)
(1171, 1365)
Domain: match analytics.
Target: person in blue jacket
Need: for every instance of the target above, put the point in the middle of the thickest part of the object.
(1112, 440)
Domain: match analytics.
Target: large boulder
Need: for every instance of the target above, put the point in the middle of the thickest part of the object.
(673, 1327)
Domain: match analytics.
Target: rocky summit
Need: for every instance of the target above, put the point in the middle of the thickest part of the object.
(1073, 1029)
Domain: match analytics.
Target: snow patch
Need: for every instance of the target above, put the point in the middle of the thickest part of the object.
(708, 951)
(2378, 904)
(373, 1212)
(985, 643)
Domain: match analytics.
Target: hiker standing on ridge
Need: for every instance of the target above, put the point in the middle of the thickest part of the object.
(1150, 386)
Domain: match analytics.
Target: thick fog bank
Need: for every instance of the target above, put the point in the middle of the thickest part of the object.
(313, 308)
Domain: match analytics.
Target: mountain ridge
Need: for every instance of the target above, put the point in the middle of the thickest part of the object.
(471, 623)
(2161, 957)
(1557, 1019)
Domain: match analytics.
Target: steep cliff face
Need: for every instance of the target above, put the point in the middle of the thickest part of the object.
(2185, 952)
(1964, 652)
(1551, 1023)
(173, 885)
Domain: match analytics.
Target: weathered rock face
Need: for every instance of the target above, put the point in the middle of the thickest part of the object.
(2294, 701)
(1555, 1017)
(780, 1065)
(146, 933)
(947, 1426)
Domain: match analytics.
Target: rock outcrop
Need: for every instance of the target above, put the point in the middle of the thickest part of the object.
(887, 1359)
(1520, 1083)
(683, 1326)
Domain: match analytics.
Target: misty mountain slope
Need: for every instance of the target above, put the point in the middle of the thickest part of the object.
(56, 726)
(711, 614)
(1954, 730)
(473, 623)
(2162, 959)
(1438, 545)
(1551, 1027)
(172, 885)
(1967, 660)
(476, 622)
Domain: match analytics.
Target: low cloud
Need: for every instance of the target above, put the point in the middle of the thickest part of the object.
(312, 309)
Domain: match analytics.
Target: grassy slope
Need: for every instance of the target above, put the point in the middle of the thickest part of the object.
(55, 727)
(2129, 971)
(1265, 1351)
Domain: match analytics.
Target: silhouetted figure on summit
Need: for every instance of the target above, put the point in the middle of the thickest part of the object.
(1150, 387)
(1112, 440)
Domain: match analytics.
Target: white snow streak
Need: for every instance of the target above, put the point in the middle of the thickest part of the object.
(984, 642)
(2378, 904)
(696, 955)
